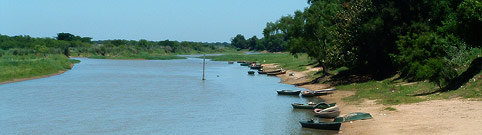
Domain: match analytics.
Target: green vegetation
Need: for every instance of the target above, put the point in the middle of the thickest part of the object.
(24, 56)
(422, 40)
(392, 92)
(390, 109)
(434, 43)
(143, 57)
(285, 60)
(387, 92)
(26, 66)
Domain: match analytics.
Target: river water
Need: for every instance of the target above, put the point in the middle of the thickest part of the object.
(151, 97)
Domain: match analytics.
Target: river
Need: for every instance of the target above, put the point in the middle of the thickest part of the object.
(151, 97)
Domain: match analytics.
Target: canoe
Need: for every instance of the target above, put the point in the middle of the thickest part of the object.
(324, 92)
(321, 125)
(288, 92)
(265, 72)
(307, 94)
(256, 67)
(311, 105)
(331, 112)
(276, 73)
(244, 64)
(250, 72)
(308, 105)
(353, 116)
(324, 105)
(230, 62)
(241, 61)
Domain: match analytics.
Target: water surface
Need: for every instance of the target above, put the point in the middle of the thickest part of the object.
(151, 97)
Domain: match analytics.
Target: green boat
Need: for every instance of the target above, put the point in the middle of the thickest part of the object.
(311, 105)
(251, 72)
(353, 116)
(321, 125)
(256, 67)
(265, 72)
(244, 64)
(288, 92)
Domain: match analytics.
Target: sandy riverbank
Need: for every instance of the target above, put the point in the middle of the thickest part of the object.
(37, 77)
(436, 117)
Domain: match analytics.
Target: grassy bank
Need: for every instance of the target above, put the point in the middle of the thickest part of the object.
(19, 67)
(392, 92)
(144, 57)
(285, 60)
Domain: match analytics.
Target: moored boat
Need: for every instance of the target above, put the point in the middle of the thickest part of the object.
(307, 94)
(230, 62)
(276, 73)
(324, 92)
(250, 72)
(244, 64)
(353, 116)
(288, 92)
(331, 112)
(256, 67)
(265, 72)
(321, 125)
(311, 105)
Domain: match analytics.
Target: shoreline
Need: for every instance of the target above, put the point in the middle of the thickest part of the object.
(38, 77)
(448, 116)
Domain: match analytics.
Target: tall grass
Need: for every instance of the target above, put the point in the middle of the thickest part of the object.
(17, 67)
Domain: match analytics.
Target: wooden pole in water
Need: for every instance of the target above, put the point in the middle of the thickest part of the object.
(204, 65)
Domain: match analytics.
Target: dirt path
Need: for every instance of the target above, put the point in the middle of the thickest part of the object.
(436, 117)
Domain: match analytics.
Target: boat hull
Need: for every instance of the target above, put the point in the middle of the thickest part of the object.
(288, 92)
(321, 125)
(276, 73)
(331, 114)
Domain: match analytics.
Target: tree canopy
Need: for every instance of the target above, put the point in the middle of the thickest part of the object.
(423, 40)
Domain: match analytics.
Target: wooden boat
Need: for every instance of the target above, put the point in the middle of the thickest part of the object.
(307, 94)
(276, 73)
(324, 92)
(288, 92)
(251, 72)
(331, 112)
(256, 67)
(353, 116)
(324, 105)
(230, 62)
(311, 105)
(265, 72)
(321, 125)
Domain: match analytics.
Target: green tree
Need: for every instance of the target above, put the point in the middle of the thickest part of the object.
(239, 42)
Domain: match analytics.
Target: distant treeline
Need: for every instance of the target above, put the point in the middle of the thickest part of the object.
(421, 39)
(71, 45)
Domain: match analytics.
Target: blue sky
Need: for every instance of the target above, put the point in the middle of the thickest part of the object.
(184, 20)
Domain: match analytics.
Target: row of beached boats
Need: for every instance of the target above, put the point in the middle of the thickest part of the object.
(323, 110)
(259, 67)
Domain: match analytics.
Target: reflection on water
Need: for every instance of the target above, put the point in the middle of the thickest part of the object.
(151, 97)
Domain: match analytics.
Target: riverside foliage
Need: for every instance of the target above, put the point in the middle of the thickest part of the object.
(25, 56)
(431, 40)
